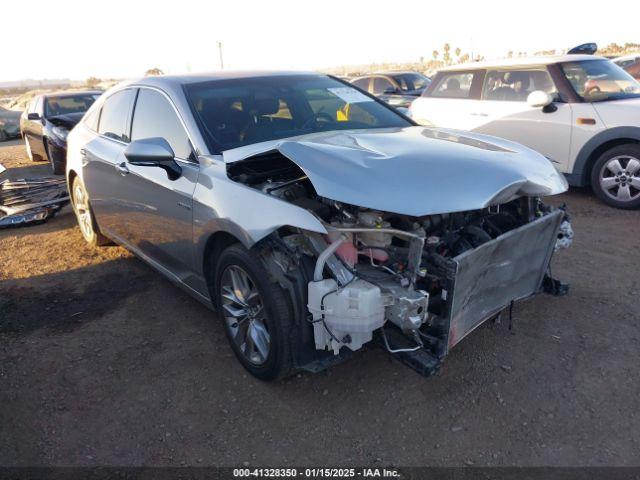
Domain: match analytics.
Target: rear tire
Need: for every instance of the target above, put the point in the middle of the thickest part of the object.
(615, 177)
(255, 313)
(84, 215)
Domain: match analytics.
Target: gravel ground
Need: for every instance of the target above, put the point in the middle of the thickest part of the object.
(104, 362)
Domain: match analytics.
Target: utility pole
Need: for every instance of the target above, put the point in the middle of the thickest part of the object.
(220, 52)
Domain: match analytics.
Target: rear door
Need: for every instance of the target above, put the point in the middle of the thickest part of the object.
(158, 209)
(101, 158)
(451, 101)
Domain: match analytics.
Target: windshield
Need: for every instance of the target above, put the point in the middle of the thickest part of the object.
(243, 111)
(599, 80)
(69, 104)
(411, 81)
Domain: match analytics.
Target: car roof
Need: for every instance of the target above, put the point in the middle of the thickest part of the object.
(520, 62)
(176, 80)
(71, 93)
(631, 56)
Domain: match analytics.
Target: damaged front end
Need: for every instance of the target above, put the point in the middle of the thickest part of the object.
(417, 284)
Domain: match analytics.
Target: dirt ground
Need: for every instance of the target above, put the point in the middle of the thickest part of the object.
(104, 362)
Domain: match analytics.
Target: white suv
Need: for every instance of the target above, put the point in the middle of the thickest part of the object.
(580, 111)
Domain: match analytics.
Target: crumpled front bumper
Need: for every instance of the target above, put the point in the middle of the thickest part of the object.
(510, 267)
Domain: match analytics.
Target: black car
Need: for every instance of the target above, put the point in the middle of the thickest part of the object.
(46, 122)
(398, 89)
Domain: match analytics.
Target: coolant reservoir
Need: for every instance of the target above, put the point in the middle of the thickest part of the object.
(351, 314)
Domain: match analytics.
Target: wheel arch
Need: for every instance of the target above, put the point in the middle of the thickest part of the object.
(600, 143)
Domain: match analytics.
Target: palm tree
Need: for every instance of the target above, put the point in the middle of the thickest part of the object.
(153, 72)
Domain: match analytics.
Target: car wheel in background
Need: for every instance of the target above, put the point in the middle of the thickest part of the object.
(84, 215)
(255, 313)
(615, 177)
(3, 135)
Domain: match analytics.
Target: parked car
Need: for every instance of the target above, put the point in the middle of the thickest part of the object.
(312, 216)
(580, 111)
(9, 124)
(398, 89)
(630, 63)
(45, 123)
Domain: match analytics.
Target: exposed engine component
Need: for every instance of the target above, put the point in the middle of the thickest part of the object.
(565, 235)
(345, 316)
(430, 279)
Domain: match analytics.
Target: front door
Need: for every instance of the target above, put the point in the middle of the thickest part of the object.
(503, 111)
(159, 209)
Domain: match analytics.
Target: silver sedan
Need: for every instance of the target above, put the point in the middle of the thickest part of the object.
(313, 217)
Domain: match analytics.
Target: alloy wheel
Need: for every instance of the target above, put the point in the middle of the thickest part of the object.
(81, 204)
(244, 314)
(620, 178)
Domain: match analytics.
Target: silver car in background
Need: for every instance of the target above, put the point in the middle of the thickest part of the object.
(313, 217)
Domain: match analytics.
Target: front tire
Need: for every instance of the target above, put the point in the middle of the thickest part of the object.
(57, 165)
(615, 177)
(27, 147)
(84, 215)
(255, 313)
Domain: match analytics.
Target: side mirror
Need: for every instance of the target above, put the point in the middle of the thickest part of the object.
(390, 91)
(153, 152)
(539, 98)
(33, 116)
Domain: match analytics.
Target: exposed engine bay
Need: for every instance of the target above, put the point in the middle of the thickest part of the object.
(416, 284)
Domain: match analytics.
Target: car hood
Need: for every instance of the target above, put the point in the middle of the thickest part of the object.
(68, 120)
(415, 170)
(618, 113)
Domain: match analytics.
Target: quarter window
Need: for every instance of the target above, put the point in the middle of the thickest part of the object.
(91, 120)
(516, 85)
(115, 115)
(362, 83)
(154, 117)
(380, 85)
(453, 85)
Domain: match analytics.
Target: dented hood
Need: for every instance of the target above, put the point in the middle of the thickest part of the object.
(415, 170)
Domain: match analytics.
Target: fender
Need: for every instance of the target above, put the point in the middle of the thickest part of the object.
(579, 177)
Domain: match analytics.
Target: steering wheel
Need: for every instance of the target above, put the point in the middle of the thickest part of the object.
(592, 89)
(320, 117)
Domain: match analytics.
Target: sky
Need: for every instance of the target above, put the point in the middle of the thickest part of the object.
(122, 39)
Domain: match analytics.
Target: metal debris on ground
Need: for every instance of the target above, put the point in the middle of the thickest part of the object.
(31, 200)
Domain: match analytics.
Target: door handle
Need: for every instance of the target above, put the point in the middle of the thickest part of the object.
(83, 152)
(480, 114)
(122, 168)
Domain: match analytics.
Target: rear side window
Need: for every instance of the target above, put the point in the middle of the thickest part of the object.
(362, 83)
(115, 115)
(516, 85)
(155, 117)
(453, 85)
(380, 84)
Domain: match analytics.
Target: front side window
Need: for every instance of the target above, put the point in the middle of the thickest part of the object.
(515, 85)
(237, 112)
(600, 80)
(64, 105)
(155, 117)
(453, 85)
(115, 115)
